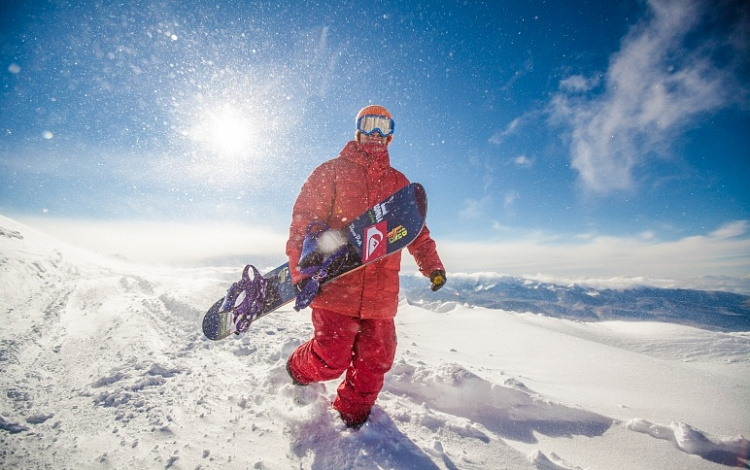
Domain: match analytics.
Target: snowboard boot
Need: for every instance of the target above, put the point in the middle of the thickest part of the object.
(294, 379)
(352, 422)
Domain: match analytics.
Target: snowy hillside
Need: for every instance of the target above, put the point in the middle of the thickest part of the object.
(103, 365)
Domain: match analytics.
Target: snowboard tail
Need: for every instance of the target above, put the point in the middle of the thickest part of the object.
(387, 227)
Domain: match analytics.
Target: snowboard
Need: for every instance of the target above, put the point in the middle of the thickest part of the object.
(385, 228)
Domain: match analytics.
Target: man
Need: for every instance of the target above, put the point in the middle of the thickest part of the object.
(353, 316)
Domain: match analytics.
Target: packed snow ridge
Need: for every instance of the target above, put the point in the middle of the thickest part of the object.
(103, 365)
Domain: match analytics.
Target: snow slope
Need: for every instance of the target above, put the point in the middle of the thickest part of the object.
(104, 366)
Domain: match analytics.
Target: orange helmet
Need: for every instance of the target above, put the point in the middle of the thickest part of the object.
(373, 110)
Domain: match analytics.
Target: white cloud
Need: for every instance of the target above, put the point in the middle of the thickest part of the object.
(731, 230)
(487, 168)
(722, 253)
(158, 242)
(579, 83)
(718, 259)
(509, 200)
(474, 208)
(523, 161)
(510, 129)
(655, 86)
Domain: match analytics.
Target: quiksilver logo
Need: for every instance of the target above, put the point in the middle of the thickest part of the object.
(374, 246)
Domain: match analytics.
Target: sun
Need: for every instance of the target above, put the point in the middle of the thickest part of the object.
(230, 131)
(226, 131)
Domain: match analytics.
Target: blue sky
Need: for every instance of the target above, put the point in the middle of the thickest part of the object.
(576, 139)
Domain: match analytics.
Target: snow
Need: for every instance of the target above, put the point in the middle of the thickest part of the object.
(104, 366)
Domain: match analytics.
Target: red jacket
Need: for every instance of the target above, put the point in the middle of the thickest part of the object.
(337, 192)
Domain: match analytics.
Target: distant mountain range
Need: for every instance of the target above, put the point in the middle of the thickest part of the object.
(713, 310)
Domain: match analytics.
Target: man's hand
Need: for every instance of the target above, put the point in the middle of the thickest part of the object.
(437, 279)
(301, 285)
(306, 290)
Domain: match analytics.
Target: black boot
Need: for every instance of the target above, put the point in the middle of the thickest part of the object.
(291, 374)
(352, 422)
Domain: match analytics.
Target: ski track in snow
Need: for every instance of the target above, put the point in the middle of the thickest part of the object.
(103, 365)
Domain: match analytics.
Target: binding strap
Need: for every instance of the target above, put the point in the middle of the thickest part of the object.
(245, 299)
(316, 273)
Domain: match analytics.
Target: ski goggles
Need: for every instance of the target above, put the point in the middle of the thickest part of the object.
(370, 123)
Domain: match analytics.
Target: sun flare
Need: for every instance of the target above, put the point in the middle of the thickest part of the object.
(226, 131)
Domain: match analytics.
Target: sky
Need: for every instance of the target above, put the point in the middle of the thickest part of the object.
(570, 139)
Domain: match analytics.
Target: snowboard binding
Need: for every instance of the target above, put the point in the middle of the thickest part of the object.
(245, 299)
(320, 249)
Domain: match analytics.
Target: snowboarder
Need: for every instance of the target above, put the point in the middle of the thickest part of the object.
(353, 316)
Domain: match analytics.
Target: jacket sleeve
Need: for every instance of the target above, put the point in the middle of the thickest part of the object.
(314, 202)
(425, 253)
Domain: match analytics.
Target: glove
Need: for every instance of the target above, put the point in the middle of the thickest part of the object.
(301, 285)
(306, 290)
(437, 279)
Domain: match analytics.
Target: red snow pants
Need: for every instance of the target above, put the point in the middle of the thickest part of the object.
(365, 349)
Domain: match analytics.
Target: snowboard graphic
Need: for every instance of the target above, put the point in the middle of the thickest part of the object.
(382, 230)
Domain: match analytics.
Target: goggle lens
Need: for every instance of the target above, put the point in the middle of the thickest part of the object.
(370, 123)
